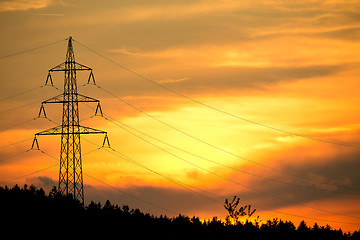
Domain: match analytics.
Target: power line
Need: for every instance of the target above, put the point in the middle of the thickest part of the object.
(230, 180)
(32, 49)
(131, 195)
(115, 188)
(196, 138)
(237, 183)
(154, 205)
(204, 142)
(21, 106)
(136, 163)
(159, 207)
(185, 133)
(18, 124)
(17, 107)
(12, 156)
(11, 144)
(126, 193)
(43, 169)
(115, 122)
(177, 182)
(243, 185)
(126, 158)
(21, 93)
(28, 174)
(214, 108)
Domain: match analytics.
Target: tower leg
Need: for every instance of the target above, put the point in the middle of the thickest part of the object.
(70, 174)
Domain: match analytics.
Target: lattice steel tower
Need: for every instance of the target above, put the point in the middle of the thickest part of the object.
(70, 173)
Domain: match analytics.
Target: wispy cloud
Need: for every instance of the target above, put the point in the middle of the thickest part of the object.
(50, 14)
(174, 11)
(169, 80)
(23, 5)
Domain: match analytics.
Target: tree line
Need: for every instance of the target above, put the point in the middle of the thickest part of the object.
(28, 208)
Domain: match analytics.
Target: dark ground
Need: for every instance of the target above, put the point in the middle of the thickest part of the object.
(28, 211)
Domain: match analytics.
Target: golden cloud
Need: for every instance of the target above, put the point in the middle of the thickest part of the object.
(23, 5)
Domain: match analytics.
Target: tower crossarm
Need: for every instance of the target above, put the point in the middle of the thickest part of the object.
(60, 99)
(77, 66)
(61, 130)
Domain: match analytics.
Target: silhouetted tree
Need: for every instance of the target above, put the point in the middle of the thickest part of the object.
(303, 227)
(234, 213)
(30, 208)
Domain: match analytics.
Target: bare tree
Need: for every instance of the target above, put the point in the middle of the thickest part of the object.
(235, 212)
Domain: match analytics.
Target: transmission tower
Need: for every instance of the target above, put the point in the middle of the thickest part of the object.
(70, 173)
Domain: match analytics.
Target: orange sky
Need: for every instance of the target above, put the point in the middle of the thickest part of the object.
(291, 65)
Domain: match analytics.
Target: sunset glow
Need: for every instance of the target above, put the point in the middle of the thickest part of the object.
(286, 74)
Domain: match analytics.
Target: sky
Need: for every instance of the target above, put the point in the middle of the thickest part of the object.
(285, 71)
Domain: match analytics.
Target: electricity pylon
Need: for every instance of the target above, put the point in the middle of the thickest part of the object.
(70, 173)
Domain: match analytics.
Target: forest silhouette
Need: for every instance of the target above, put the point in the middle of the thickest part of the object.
(30, 211)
